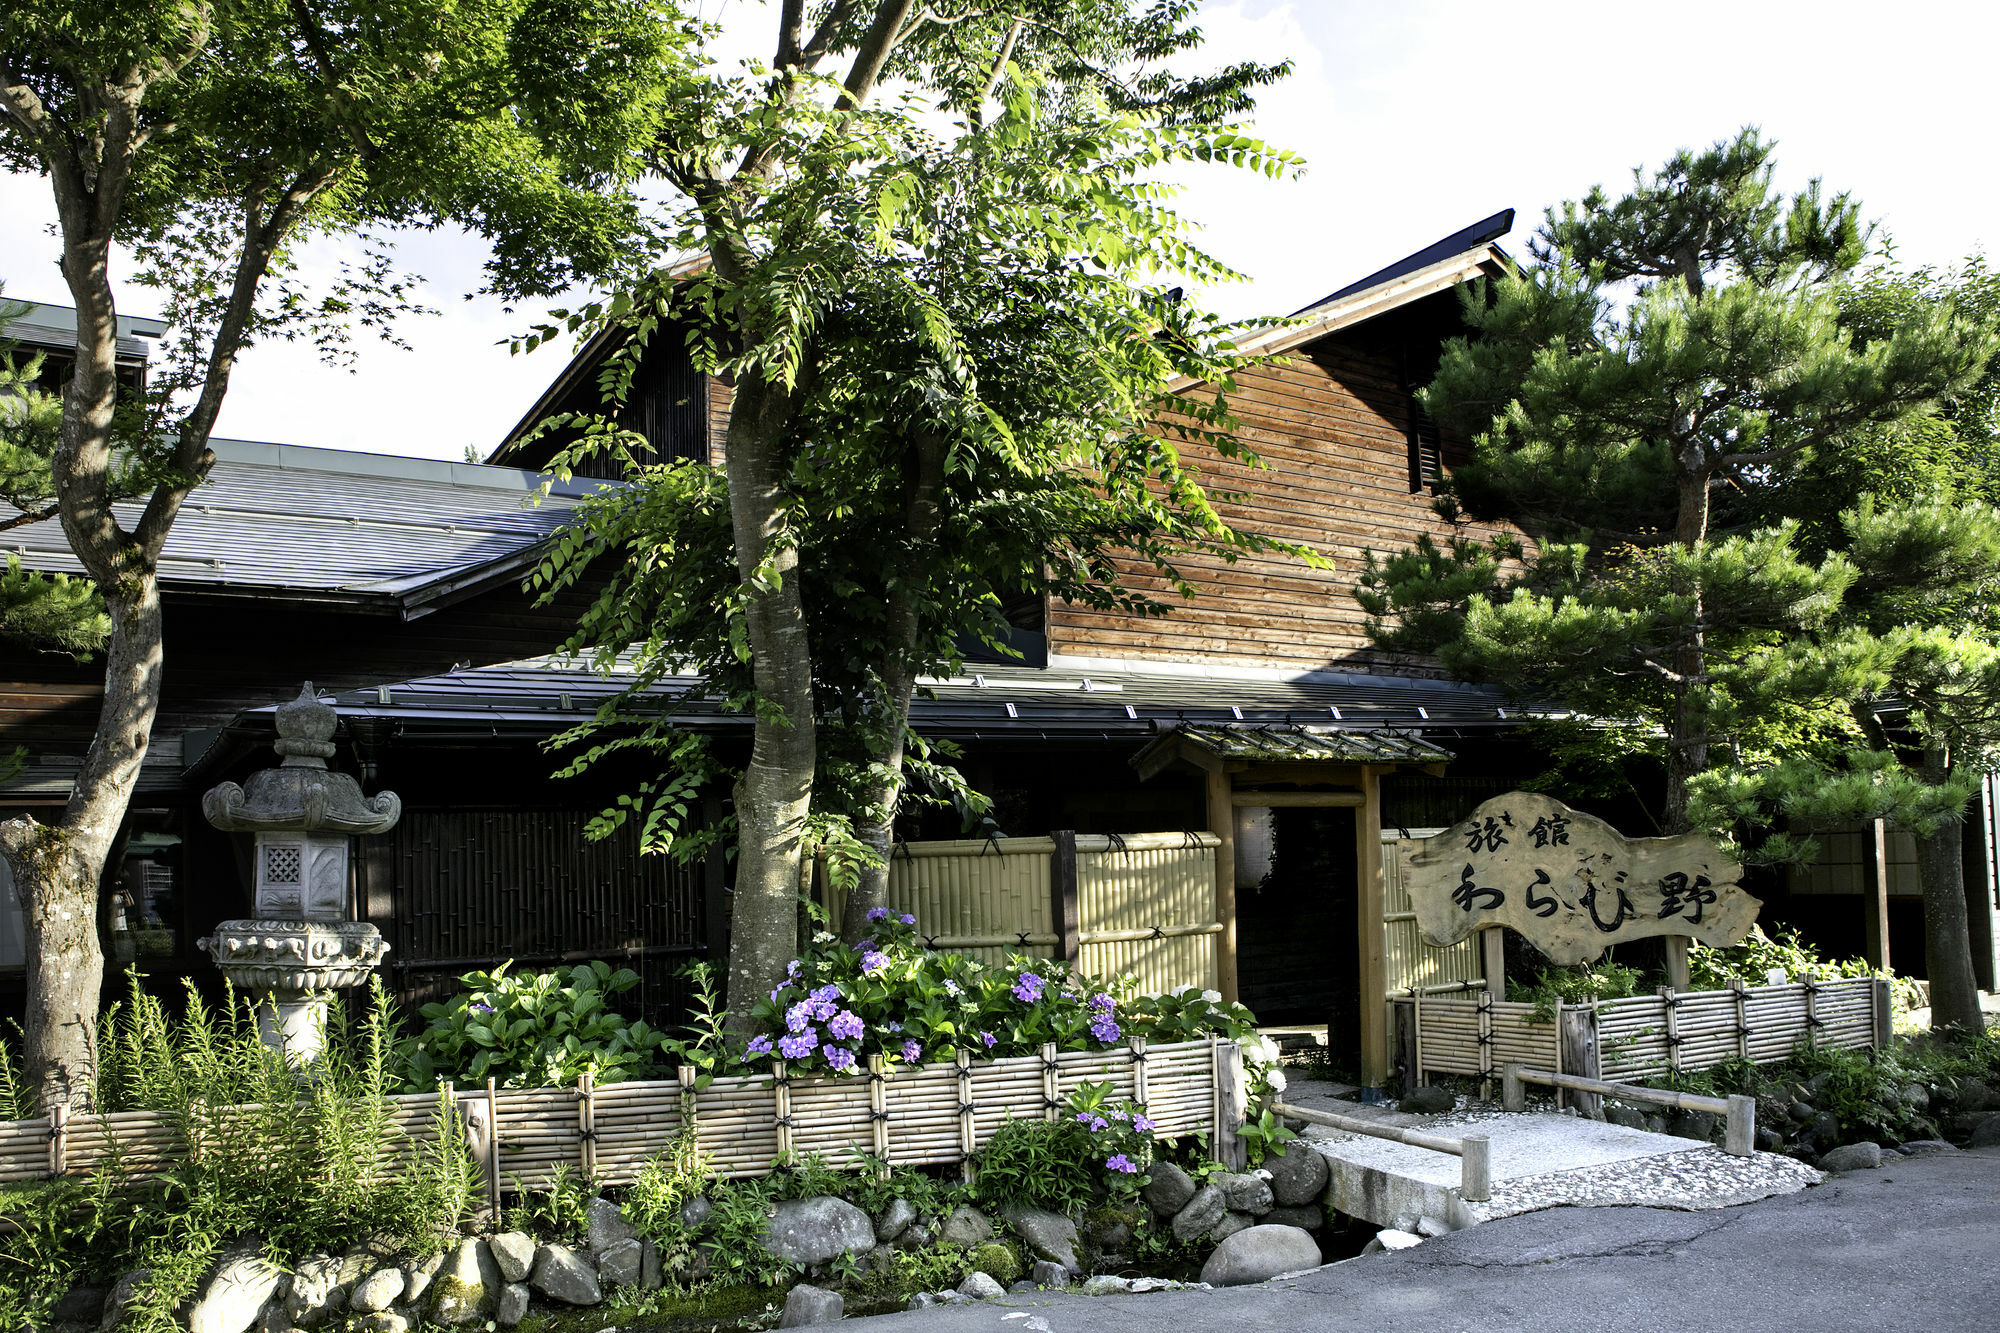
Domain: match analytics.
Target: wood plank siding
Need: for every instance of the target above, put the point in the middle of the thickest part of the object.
(1332, 426)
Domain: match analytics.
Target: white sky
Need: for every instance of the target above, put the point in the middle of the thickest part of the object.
(1416, 117)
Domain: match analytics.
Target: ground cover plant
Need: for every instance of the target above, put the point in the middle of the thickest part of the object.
(298, 1162)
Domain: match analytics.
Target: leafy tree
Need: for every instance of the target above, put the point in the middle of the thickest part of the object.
(214, 139)
(1678, 355)
(940, 374)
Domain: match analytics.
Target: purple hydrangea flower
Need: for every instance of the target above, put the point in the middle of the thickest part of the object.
(1102, 1002)
(1120, 1162)
(824, 993)
(865, 945)
(907, 919)
(1143, 1125)
(1105, 1030)
(759, 1046)
(911, 1051)
(839, 1057)
(892, 1027)
(480, 1007)
(951, 988)
(797, 1048)
(987, 1037)
(1118, 1115)
(792, 969)
(775, 992)
(799, 1016)
(874, 961)
(1083, 1117)
(845, 1025)
(1029, 988)
(877, 913)
(1098, 1122)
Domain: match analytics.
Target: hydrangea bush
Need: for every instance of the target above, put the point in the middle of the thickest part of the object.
(889, 995)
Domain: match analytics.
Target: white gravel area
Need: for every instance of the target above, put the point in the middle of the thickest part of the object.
(1703, 1178)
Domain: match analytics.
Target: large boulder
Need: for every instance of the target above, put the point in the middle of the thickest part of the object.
(561, 1274)
(1427, 1100)
(1307, 1217)
(605, 1227)
(513, 1306)
(417, 1278)
(980, 1287)
(806, 1304)
(619, 1265)
(515, 1253)
(1298, 1174)
(892, 1221)
(1986, 1134)
(1853, 1157)
(966, 1226)
(817, 1231)
(1199, 1214)
(236, 1295)
(122, 1294)
(315, 1295)
(1231, 1223)
(80, 1305)
(1047, 1235)
(1244, 1193)
(467, 1285)
(1257, 1254)
(378, 1291)
(1169, 1188)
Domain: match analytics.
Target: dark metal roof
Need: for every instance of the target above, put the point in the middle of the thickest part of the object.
(1483, 232)
(1290, 743)
(989, 703)
(283, 520)
(54, 327)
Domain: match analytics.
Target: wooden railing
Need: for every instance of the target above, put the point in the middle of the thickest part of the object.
(1740, 1134)
(1474, 1151)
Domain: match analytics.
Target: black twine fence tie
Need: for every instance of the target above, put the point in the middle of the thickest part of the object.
(1673, 1040)
(1138, 1057)
(992, 845)
(1052, 1066)
(1742, 1031)
(875, 1077)
(1022, 936)
(930, 942)
(1158, 934)
(587, 1135)
(967, 1108)
(1117, 841)
(1050, 1103)
(878, 1115)
(783, 1122)
(1190, 841)
(1485, 1039)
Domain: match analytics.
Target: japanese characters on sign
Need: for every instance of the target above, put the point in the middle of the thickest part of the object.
(1570, 882)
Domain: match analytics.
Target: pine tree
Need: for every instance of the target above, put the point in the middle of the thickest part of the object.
(1676, 355)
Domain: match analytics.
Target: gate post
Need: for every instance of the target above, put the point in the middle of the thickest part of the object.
(1064, 913)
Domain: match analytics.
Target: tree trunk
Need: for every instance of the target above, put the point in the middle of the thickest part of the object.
(1947, 937)
(774, 795)
(1687, 740)
(58, 868)
(875, 827)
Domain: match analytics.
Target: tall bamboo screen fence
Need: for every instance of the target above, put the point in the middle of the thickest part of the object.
(937, 1114)
(1140, 903)
(1645, 1036)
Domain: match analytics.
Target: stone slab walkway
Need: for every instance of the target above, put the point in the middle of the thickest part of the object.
(1545, 1160)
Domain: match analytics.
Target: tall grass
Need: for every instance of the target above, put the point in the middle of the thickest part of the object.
(307, 1160)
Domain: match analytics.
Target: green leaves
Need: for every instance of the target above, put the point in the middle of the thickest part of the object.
(531, 1029)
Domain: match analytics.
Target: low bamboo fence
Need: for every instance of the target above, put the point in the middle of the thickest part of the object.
(1644, 1036)
(936, 1114)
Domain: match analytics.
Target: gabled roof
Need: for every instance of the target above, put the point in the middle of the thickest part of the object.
(1460, 257)
(406, 534)
(54, 327)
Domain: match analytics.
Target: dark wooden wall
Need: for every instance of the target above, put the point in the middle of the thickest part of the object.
(1332, 428)
(454, 890)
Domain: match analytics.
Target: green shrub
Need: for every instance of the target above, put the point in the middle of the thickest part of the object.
(1573, 985)
(532, 1030)
(1759, 954)
(1041, 1163)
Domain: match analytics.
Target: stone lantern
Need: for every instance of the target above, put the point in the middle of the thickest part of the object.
(301, 944)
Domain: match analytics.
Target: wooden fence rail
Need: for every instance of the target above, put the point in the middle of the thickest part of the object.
(1644, 1036)
(937, 1114)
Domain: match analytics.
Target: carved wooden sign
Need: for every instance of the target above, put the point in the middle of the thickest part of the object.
(1570, 882)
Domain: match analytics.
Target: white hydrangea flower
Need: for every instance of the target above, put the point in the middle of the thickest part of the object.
(1276, 1080)
(1212, 996)
(822, 937)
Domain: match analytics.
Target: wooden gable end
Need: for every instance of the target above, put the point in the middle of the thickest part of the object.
(1338, 431)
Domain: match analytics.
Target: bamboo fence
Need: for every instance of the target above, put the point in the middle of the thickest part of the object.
(936, 1114)
(1647, 1036)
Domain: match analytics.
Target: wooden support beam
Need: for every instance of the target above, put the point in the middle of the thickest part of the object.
(1063, 909)
(1293, 799)
(1677, 963)
(1373, 954)
(1493, 953)
(1875, 893)
(1222, 822)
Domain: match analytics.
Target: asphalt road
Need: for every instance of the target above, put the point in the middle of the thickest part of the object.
(1915, 1246)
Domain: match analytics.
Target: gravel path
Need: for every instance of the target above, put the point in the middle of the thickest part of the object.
(1706, 1177)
